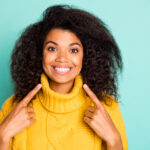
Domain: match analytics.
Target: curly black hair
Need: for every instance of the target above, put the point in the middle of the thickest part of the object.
(101, 61)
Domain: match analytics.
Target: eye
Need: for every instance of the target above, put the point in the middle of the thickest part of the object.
(51, 48)
(74, 50)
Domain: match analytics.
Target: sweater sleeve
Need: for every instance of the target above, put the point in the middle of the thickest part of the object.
(5, 110)
(116, 116)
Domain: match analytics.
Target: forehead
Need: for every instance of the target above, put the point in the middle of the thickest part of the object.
(62, 35)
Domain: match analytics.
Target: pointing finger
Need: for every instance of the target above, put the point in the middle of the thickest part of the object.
(92, 95)
(30, 95)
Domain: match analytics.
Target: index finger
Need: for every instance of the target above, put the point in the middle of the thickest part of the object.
(30, 95)
(92, 96)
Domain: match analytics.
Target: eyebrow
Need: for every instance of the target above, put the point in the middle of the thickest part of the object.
(57, 43)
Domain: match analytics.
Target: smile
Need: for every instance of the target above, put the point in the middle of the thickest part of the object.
(62, 70)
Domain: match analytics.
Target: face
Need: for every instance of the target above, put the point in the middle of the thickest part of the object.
(62, 55)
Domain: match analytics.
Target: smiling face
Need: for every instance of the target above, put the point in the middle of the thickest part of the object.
(62, 56)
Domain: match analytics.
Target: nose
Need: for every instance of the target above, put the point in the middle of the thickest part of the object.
(62, 56)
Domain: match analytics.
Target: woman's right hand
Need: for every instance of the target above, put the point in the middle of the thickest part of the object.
(19, 118)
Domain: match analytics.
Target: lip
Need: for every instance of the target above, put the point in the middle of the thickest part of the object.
(59, 66)
(61, 73)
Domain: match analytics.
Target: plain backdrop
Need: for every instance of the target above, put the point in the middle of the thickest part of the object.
(128, 21)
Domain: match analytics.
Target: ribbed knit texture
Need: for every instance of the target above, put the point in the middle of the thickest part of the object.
(61, 103)
(59, 121)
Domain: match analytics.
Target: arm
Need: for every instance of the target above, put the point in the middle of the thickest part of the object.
(106, 121)
(22, 116)
(115, 144)
(116, 116)
(4, 142)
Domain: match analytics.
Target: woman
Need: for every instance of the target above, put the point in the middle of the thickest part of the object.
(76, 60)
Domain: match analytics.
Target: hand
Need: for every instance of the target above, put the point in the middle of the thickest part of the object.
(99, 120)
(20, 117)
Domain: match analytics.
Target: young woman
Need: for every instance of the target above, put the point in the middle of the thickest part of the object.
(64, 69)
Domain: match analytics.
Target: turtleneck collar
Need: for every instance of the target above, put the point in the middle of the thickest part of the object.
(61, 103)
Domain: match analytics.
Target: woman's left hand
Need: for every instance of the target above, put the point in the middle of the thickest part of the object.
(99, 120)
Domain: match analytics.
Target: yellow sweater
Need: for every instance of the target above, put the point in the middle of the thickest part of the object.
(59, 121)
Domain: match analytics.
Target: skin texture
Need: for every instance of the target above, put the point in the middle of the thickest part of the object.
(102, 58)
(22, 116)
(62, 52)
(60, 55)
(99, 120)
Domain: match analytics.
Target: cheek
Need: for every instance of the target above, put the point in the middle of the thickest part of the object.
(44, 61)
(47, 58)
(78, 61)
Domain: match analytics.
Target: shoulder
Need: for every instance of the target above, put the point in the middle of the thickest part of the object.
(8, 101)
(8, 105)
(116, 115)
(111, 104)
(112, 107)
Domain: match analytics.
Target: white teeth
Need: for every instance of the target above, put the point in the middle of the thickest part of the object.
(62, 69)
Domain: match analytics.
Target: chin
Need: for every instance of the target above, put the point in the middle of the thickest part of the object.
(62, 79)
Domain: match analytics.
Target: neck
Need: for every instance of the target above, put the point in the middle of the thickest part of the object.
(62, 88)
(62, 103)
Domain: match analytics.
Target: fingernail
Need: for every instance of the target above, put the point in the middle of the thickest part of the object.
(39, 85)
(84, 85)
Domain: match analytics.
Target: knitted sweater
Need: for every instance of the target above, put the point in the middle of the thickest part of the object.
(59, 121)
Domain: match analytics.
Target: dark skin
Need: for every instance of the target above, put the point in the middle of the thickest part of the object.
(99, 120)
(62, 53)
(22, 116)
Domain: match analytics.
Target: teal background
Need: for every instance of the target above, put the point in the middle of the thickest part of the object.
(129, 22)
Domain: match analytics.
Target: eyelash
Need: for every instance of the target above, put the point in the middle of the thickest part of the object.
(50, 48)
(55, 49)
(76, 50)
